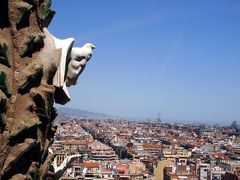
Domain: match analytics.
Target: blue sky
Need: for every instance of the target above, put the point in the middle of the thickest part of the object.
(177, 58)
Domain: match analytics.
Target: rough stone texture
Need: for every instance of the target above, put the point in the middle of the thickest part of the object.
(26, 101)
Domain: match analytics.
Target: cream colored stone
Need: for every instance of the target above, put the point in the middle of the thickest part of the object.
(70, 65)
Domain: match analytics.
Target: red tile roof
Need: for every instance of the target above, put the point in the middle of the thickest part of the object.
(91, 164)
(76, 142)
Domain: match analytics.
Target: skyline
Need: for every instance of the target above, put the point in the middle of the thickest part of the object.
(179, 59)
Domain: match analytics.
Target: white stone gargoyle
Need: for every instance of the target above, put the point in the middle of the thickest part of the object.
(72, 63)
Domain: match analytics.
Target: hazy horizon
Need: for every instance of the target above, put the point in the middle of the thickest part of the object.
(180, 58)
(144, 119)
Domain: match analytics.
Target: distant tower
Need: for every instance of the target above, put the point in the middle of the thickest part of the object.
(158, 118)
(200, 129)
(234, 124)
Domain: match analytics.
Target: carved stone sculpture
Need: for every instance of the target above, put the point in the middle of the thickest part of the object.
(65, 70)
(59, 170)
(35, 71)
(72, 63)
(78, 60)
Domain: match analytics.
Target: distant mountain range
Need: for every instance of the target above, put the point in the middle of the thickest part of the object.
(79, 113)
(64, 111)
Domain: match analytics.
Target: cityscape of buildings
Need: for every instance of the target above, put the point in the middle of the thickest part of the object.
(124, 150)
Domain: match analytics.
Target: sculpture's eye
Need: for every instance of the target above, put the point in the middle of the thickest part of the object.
(79, 58)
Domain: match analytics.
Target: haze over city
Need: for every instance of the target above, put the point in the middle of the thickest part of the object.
(178, 58)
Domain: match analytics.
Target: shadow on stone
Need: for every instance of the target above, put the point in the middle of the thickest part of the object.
(4, 18)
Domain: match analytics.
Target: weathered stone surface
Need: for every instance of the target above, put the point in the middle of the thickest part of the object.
(31, 61)
(3, 103)
(33, 80)
(16, 153)
(4, 19)
(2, 122)
(46, 14)
(4, 59)
(4, 85)
(19, 177)
(33, 44)
(26, 101)
(24, 10)
(45, 9)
